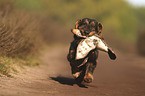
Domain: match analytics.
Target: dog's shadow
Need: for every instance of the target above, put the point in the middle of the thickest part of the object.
(67, 81)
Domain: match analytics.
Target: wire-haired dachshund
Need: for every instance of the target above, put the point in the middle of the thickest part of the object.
(86, 26)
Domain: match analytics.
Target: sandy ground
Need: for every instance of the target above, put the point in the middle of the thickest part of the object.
(122, 77)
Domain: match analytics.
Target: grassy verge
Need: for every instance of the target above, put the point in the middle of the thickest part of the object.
(9, 65)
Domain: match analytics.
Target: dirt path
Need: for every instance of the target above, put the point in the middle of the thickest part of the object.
(123, 77)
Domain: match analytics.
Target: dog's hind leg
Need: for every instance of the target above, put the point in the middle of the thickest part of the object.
(91, 65)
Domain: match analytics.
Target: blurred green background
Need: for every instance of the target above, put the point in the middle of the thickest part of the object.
(118, 17)
(122, 22)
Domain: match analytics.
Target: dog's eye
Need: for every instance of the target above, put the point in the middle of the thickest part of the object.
(84, 23)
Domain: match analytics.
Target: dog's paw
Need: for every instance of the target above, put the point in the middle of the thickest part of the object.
(88, 78)
(76, 75)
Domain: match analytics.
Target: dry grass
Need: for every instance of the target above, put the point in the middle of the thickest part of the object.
(19, 33)
(20, 38)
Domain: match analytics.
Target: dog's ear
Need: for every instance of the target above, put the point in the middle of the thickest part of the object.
(78, 23)
(100, 27)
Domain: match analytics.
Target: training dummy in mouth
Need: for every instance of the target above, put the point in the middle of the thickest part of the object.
(90, 43)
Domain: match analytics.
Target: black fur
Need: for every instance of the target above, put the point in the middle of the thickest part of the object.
(86, 26)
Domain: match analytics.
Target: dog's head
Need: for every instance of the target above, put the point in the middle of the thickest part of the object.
(86, 26)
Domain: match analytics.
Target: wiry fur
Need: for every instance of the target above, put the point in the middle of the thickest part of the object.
(86, 26)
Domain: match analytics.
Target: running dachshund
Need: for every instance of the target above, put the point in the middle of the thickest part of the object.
(87, 27)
